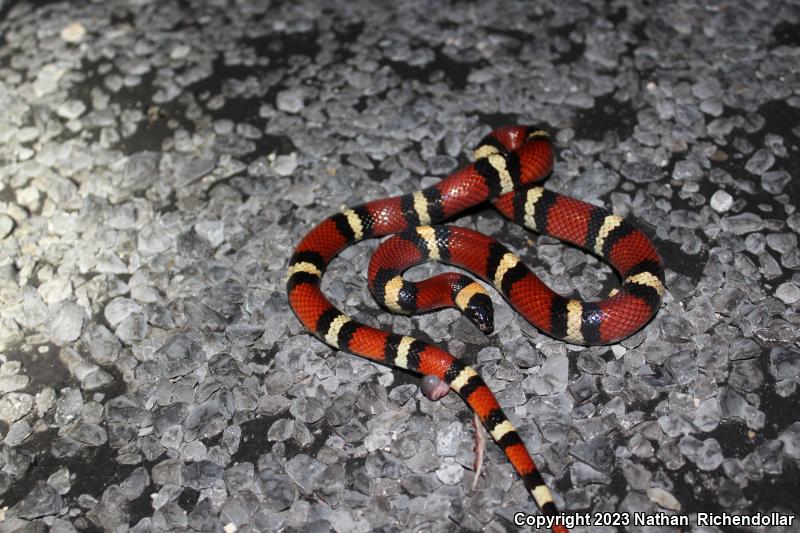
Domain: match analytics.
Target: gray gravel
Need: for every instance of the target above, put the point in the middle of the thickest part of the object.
(159, 161)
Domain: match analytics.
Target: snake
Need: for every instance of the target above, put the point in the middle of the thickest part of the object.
(508, 164)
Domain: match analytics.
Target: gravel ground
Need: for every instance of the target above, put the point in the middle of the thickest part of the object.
(160, 159)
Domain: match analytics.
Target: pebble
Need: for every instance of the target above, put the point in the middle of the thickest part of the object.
(60, 480)
(774, 181)
(73, 33)
(71, 109)
(290, 100)
(6, 226)
(211, 230)
(782, 242)
(760, 162)
(47, 79)
(552, 376)
(66, 322)
(14, 406)
(687, 170)
(42, 500)
(743, 223)
(55, 290)
(179, 52)
(13, 383)
(285, 165)
(663, 499)
(788, 292)
(450, 473)
(119, 309)
(721, 201)
(18, 432)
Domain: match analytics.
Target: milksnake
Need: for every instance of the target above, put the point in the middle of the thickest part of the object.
(508, 162)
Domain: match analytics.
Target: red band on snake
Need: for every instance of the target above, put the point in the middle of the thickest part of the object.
(509, 161)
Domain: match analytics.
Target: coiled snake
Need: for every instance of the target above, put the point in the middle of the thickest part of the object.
(509, 161)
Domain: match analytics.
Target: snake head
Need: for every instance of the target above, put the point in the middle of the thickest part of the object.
(474, 303)
(479, 311)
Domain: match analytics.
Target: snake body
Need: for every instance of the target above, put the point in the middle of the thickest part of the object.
(508, 163)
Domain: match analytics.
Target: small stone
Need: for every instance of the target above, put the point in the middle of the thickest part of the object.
(14, 406)
(66, 322)
(707, 454)
(71, 109)
(791, 440)
(10, 368)
(285, 165)
(774, 181)
(6, 225)
(201, 474)
(641, 172)
(29, 197)
(290, 100)
(663, 499)
(60, 480)
(145, 294)
(179, 52)
(743, 223)
(583, 474)
(448, 439)
(239, 477)
(89, 434)
(73, 33)
(112, 509)
(55, 290)
(17, 433)
(43, 500)
(450, 473)
(280, 488)
(119, 309)
(281, 430)
(211, 230)
(742, 348)
(13, 383)
(784, 363)
(760, 162)
(553, 376)
(782, 243)
(27, 134)
(788, 292)
(712, 107)
(721, 201)
(306, 472)
(68, 406)
(687, 170)
(47, 79)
